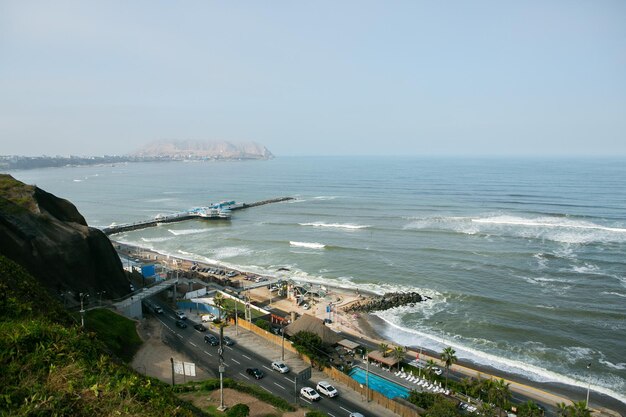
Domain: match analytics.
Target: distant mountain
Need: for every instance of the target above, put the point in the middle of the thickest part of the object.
(192, 149)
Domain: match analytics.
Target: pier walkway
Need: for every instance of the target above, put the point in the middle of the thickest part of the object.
(180, 216)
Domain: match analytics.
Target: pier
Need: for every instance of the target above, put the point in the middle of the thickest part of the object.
(182, 216)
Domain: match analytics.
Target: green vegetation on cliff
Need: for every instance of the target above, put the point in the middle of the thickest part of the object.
(48, 366)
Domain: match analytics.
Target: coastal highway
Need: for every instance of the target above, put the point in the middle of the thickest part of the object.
(238, 358)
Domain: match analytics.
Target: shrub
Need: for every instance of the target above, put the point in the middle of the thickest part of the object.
(238, 410)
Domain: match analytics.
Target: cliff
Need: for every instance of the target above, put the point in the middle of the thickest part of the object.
(190, 149)
(49, 238)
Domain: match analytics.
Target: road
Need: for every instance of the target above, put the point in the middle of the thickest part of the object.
(238, 358)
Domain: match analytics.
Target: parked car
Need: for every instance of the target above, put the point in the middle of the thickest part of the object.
(207, 317)
(181, 324)
(210, 339)
(255, 372)
(228, 341)
(310, 394)
(306, 306)
(280, 366)
(437, 371)
(181, 315)
(199, 327)
(325, 388)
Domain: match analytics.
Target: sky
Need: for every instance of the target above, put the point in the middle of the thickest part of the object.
(536, 77)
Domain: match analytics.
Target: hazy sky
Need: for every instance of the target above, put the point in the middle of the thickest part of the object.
(320, 77)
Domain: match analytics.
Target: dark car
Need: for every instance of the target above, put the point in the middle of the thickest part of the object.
(181, 324)
(255, 372)
(199, 327)
(210, 339)
(228, 341)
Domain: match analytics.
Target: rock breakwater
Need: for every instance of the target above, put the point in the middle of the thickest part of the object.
(385, 302)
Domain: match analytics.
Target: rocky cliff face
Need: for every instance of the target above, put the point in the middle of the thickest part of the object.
(190, 149)
(51, 240)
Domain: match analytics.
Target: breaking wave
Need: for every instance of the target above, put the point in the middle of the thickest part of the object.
(335, 225)
(554, 228)
(187, 231)
(310, 245)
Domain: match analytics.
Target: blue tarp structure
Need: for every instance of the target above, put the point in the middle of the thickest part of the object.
(148, 271)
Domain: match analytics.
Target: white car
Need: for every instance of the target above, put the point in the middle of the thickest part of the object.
(280, 367)
(208, 317)
(325, 388)
(310, 394)
(181, 315)
(356, 415)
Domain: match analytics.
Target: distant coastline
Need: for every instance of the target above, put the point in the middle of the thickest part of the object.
(12, 162)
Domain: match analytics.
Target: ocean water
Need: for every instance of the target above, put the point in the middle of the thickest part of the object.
(525, 259)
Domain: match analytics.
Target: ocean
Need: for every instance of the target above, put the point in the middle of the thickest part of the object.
(524, 259)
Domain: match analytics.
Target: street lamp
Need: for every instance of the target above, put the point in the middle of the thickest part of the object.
(82, 309)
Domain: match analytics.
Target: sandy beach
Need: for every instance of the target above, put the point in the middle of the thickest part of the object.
(369, 327)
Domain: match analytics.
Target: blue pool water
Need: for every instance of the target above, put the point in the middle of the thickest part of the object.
(388, 388)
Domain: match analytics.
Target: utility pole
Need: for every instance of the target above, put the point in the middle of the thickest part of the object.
(236, 317)
(221, 369)
(282, 332)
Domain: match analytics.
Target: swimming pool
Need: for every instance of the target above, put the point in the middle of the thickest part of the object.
(386, 387)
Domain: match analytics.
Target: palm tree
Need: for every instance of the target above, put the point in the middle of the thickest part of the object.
(398, 353)
(383, 348)
(529, 409)
(562, 410)
(502, 393)
(579, 409)
(448, 357)
(430, 365)
(218, 300)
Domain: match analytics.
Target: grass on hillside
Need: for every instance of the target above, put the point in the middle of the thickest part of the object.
(117, 332)
(50, 367)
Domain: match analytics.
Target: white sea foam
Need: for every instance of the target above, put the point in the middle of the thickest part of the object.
(78, 180)
(310, 245)
(619, 294)
(409, 337)
(182, 232)
(231, 252)
(618, 366)
(156, 239)
(577, 353)
(325, 197)
(335, 225)
(541, 260)
(587, 269)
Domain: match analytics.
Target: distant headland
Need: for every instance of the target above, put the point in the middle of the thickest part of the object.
(163, 150)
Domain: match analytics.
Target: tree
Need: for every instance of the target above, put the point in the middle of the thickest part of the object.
(398, 353)
(502, 393)
(383, 348)
(448, 357)
(238, 410)
(529, 409)
(430, 366)
(442, 408)
(218, 300)
(579, 409)
(562, 410)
